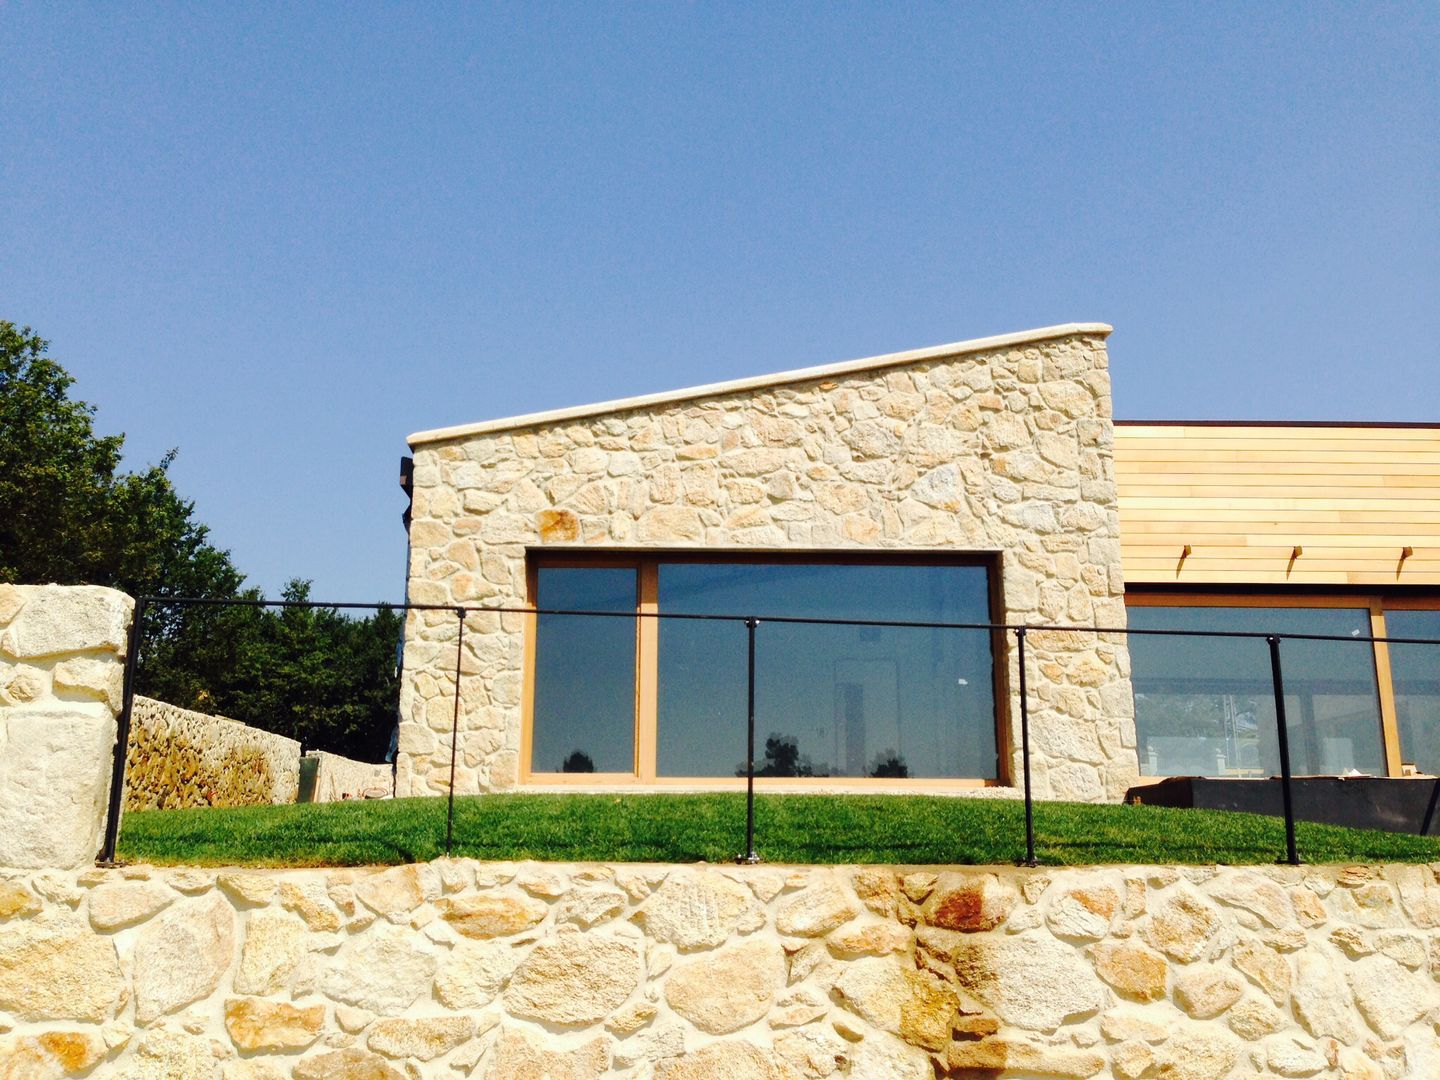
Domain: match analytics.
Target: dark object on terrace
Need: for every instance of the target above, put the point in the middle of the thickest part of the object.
(1394, 804)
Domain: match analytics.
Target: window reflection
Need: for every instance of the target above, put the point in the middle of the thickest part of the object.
(1206, 707)
(1415, 673)
(837, 701)
(584, 704)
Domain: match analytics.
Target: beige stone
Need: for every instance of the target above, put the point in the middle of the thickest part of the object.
(49, 1054)
(870, 939)
(732, 1060)
(423, 1038)
(1185, 927)
(1000, 1055)
(1130, 1024)
(171, 1055)
(123, 903)
(1419, 895)
(275, 944)
(1035, 983)
(257, 1024)
(878, 889)
(575, 978)
(53, 967)
(474, 972)
(917, 886)
(181, 956)
(491, 915)
(970, 902)
(1389, 997)
(1253, 1019)
(590, 907)
(1132, 969)
(352, 1063)
(16, 901)
(1131, 1060)
(1084, 912)
(816, 911)
(631, 1018)
(385, 972)
(1206, 1053)
(1322, 1001)
(1206, 992)
(729, 989)
(695, 909)
(802, 1005)
(309, 901)
(918, 1006)
(1293, 1057)
(397, 891)
(883, 1057)
(59, 619)
(1265, 967)
(54, 784)
(814, 1053)
(95, 678)
(1255, 894)
(517, 1057)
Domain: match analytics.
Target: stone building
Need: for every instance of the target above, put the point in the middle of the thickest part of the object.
(977, 483)
(965, 484)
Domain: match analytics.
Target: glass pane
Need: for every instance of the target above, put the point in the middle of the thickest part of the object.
(1415, 672)
(842, 701)
(584, 673)
(1206, 706)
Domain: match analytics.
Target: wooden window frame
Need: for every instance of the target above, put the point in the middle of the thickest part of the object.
(1375, 602)
(646, 563)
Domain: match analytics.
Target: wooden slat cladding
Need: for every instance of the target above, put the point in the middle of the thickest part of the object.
(1244, 496)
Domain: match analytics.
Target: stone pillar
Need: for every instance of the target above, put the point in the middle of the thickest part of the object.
(62, 666)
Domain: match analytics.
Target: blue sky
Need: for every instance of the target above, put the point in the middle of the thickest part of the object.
(283, 238)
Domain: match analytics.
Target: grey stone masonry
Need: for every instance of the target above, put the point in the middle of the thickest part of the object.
(1001, 446)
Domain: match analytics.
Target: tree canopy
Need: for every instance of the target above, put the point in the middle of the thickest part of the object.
(70, 515)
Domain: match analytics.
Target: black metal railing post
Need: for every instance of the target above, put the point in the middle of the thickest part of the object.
(750, 855)
(454, 734)
(122, 737)
(1029, 859)
(1282, 730)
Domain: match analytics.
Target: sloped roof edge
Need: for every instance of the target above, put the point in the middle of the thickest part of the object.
(755, 382)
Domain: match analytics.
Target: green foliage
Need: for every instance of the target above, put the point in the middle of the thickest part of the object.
(830, 829)
(69, 515)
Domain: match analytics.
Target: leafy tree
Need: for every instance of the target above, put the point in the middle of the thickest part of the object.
(69, 515)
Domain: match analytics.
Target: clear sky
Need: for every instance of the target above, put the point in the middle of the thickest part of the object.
(283, 238)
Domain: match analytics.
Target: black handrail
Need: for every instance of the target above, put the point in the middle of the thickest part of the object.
(751, 623)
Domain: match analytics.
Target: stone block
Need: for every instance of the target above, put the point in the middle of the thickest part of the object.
(54, 786)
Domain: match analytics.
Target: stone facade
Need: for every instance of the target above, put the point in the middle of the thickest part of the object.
(62, 670)
(1002, 446)
(501, 971)
(179, 758)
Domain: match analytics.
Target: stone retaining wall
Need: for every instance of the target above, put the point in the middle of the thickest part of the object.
(179, 758)
(61, 673)
(505, 971)
(342, 778)
(989, 448)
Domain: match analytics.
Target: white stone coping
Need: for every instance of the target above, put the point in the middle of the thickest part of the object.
(755, 382)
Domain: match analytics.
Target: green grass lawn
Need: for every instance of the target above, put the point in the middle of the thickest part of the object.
(691, 828)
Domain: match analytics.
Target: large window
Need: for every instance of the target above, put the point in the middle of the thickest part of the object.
(1415, 673)
(666, 698)
(1205, 706)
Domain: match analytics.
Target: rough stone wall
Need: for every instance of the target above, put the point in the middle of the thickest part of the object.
(1003, 450)
(344, 778)
(499, 971)
(61, 672)
(179, 758)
